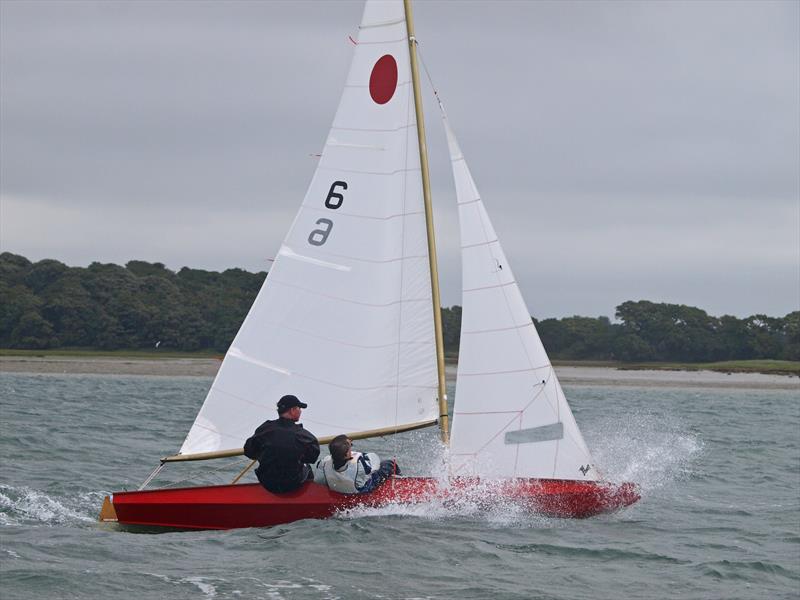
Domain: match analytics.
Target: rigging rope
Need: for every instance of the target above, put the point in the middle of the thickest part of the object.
(196, 477)
(430, 79)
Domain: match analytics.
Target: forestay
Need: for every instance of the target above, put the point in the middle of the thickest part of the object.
(511, 417)
(344, 318)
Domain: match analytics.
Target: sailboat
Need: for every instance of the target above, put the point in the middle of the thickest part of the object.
(349, 321)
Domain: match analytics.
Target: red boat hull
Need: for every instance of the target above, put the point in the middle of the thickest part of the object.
(250, 505)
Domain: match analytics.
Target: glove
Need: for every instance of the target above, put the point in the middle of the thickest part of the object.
(389, 467)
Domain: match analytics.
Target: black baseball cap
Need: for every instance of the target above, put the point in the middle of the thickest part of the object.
(288, 402)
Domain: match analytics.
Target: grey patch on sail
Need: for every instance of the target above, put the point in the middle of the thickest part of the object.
(545, 433)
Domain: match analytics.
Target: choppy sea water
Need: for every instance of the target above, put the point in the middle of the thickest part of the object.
(719, 517)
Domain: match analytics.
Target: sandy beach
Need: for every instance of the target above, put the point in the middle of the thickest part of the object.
(169, 367)
(571, 375)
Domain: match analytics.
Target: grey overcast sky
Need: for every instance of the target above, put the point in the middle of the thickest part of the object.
(625, 150)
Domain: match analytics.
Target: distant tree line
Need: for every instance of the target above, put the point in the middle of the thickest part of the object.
(105, 306)
(649, 331)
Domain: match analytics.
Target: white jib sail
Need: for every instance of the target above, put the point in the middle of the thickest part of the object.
(511, 418)
(344, 319)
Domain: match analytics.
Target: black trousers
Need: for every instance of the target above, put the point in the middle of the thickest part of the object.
(283, 486)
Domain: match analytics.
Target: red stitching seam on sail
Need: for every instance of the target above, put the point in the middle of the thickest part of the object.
(308, 291)
(367, 388)
(345, 214)
(489, 243)
(334, 127)
(337, 385)
(476, 331)
(382, 42)
(409, 170)
(360, 86)
(378, 262)
(525, 370)
(490, 287)
(370, 261)
(365, 346)
(489, 412)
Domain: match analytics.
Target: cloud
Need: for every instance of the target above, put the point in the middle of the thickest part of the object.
(624, 150)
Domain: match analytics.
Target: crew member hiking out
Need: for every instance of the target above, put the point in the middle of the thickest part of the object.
(283, 449)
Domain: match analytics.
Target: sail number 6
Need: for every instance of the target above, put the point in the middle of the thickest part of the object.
(332, 195)
(334, 200)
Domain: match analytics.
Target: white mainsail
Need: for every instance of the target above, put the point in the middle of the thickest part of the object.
(511, 418)
(344, 319)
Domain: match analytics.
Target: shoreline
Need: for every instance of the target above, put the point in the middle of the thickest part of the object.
(108, 365)
(597, 375)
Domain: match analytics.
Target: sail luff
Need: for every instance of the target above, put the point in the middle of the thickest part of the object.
(444, 425)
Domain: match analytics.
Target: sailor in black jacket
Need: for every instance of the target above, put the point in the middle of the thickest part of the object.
(283, 449)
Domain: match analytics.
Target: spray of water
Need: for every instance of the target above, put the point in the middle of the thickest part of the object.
(482, 501)
(26, 506)
(653, 451)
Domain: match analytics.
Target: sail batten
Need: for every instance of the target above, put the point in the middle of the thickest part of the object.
(390, 130)
(382, 24)
(374, 218)
(489, 287)
(366, 86)
(350, 301)
(366, 172)
(509, 328)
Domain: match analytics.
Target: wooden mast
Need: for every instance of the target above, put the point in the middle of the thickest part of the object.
(444, 425)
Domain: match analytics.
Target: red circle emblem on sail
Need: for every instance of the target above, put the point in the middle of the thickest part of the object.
(383, 80)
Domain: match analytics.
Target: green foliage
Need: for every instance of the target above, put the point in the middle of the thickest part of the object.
(108, 307)
(13, 268)
(451, 329)
(791, 329)
(105, 306)
(675, 332)
(15, 301)
(649, 331)
(577, 337)
(43, 273)
(32, 331)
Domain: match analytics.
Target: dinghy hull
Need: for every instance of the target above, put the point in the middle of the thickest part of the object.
(250, 505)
